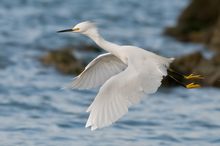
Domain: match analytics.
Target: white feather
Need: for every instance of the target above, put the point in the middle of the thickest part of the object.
(121, 91)
(98, 71)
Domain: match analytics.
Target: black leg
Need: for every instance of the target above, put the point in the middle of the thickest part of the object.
(184, 81)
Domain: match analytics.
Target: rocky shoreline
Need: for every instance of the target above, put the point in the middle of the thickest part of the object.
(63, 60)
(200, 23)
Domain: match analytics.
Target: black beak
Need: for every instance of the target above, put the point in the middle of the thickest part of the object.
(65, 30)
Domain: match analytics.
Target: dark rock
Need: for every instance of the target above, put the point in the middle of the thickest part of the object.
(215, 39)
(216, 59)
(89, 48)
(197, 22)
(64, 61)
(186, 64)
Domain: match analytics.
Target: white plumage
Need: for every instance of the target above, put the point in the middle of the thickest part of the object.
(98, 71)
(126, 73)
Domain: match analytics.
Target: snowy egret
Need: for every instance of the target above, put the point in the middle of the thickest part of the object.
(126, 73)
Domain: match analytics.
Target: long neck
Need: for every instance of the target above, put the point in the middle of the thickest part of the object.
(101, 42)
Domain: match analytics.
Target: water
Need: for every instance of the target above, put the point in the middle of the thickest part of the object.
(33, 109)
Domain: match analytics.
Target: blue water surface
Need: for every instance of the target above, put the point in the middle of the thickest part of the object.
(34, 111)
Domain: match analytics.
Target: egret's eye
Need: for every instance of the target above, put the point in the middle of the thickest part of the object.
(76, 29)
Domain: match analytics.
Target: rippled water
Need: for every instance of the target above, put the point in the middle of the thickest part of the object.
(33, 109)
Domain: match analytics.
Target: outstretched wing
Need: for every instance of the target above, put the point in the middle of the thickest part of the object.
(121, 91)
(98, 71)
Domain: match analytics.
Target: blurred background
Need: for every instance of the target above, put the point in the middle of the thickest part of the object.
(35, 62)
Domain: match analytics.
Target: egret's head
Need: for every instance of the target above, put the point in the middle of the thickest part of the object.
(83, 27)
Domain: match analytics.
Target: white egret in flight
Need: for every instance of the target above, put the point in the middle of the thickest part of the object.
(125, 74)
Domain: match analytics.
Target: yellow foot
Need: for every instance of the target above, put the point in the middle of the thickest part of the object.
(192, 85)
(192, 76)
